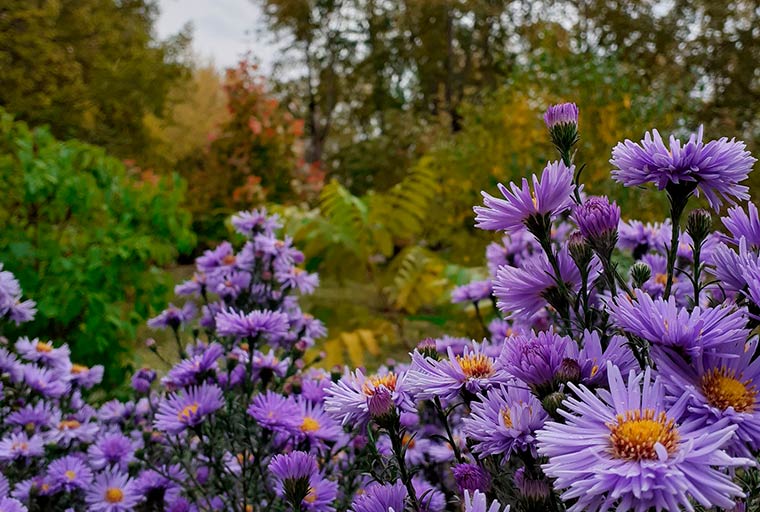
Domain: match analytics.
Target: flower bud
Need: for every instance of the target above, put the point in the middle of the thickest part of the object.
(640, 274)
(427, 348)
(380, 403)
(534, 491)
(569, 371)
(598, 221)
(699, 225)
(562, 122)
(580, 251)
(552, 403)
(471, 477)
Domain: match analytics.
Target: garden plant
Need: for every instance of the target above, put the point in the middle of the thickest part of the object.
(620, 370)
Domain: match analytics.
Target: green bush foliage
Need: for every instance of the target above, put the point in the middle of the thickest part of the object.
(87, 236)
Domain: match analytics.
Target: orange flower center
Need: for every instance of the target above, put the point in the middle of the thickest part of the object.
(114, 495)
(662, 279)
(507, 417)
(309, 424)
(408, 441)
(76, 369)
(187, 413)
(229, 259)
(43, 347)
(388, 381)
(312, 496)
(723, 390)
(68, 424)
(476, 366)
(636, 434)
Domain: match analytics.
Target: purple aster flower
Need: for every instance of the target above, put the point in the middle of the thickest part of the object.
(71, 428)
(505, 420)
(11, 505)
(4, 486)
(315, 424)
(231, 284)
(275, 412)
(471, 477)
(456, 343)
(473, 372)
(297, 279)
(430, 498)
(536, 358)
(641, 238)
(515, 247)
(549, 196)
(533, 487)
(321, 495)
(223, 258)
(32, 417)
(112, 492)
(113, 449)
(743, 224)
(143, 379)
(190, 371)
(348, 399)
(10, 299)
(69, 473)
(732, 267)
(314, 384)
(593, 360)
(44, 353)
(627, 450)
(661, 322)
(188, 408)
(561, 114)
(193, 286)
(381, 498)
(472, 292)
(173, 316)
(268, 364)
(720, 387)
(160, 487)
(11, 366)
(272, 324)
(655, 285)
(45, 382)
(255, 221)
(522, 292)
(597, 218)
(715, 168)
(20, 446)
(416, 448)
(478, 502)
(86, 377)
(293, 473)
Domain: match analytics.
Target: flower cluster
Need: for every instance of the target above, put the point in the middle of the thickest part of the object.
(599, 385)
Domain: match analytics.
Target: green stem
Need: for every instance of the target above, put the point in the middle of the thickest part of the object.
(480, 319)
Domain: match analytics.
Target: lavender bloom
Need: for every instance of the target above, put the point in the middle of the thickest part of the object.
(720, 387)
(222, 259)
(663, 323)
(293, 466)
(471, 477)
(231, 284)
(563, 113)
(110, 450)
(44, 353)
(192, 287)
(731, 268)
(473, 372)
(85, 377)
(321, 495)
(297, 279)
(10, 299)
(348, 399)
(381, 498)
(430, 498)
(255, 221)
(188, 371)
(188, 408)
(535, 359)
(641, 238)
(472, 292)
(32, 417)
(112, 492)
(69, 473)
(597, 218)
(743, 224)
(45, 381)
(4, 486)
(715, 168)
(173, 316)
(593, 360)
(316, 425)
(628, 450)
(275, 412)
(550, 195)
(505, 420)
(268, 364)
(478, 502)
(11, 505)
(142, 380)
(20, 446)
(272, 324)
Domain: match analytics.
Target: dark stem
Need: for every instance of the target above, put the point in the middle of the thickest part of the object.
(480, 319)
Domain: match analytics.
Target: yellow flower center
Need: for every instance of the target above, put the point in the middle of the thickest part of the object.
(229, 259)
(662, 279)
(507, 417)
(723, 390)
(636, 434)
(114, 495)
(187, 413)
(68, 425)
(533, 198)
(76, 369)
(388, 381)
(476, 366)
(309, 424)
(70, 474)
(43, 347)
(312, 496)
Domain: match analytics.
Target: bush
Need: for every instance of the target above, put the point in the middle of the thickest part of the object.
(87, 236)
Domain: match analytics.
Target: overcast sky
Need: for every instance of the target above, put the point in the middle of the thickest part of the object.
(224, 30)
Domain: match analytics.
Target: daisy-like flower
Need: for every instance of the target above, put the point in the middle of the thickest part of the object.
(593, 359)
(113, 449)
(549, 195)
(86, 377)
(11, 305)
(627, 450)
(44, 352)
(535, 359)
(720, 387)
(743, 224)
(663, 323)
(715, 168)
(188, 371)
(321, 495)
(295, 475)
(431, 498)
(275, 412)
(44, 381)
(32, 417)
(250, 223)
(69, 473)
(223, 259)
(20, 446)
(473, 371)
(188, 408)
(315, 424)
(297, 279)
(472, 292)
(11, 505)
(522, 291)
(348, 399)
(471, 477)
(173, 316)
(112, 492)
(381, 498)
(268, 364)
(272, 324)
(478, 502)
(505, 420)
(640, 238)
(597, 218)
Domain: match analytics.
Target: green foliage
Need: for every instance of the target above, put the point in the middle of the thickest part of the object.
(86, 236)
(90, 69)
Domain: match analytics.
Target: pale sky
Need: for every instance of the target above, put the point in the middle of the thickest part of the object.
(224, 30)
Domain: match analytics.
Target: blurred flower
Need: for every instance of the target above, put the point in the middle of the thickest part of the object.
(188, 408)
